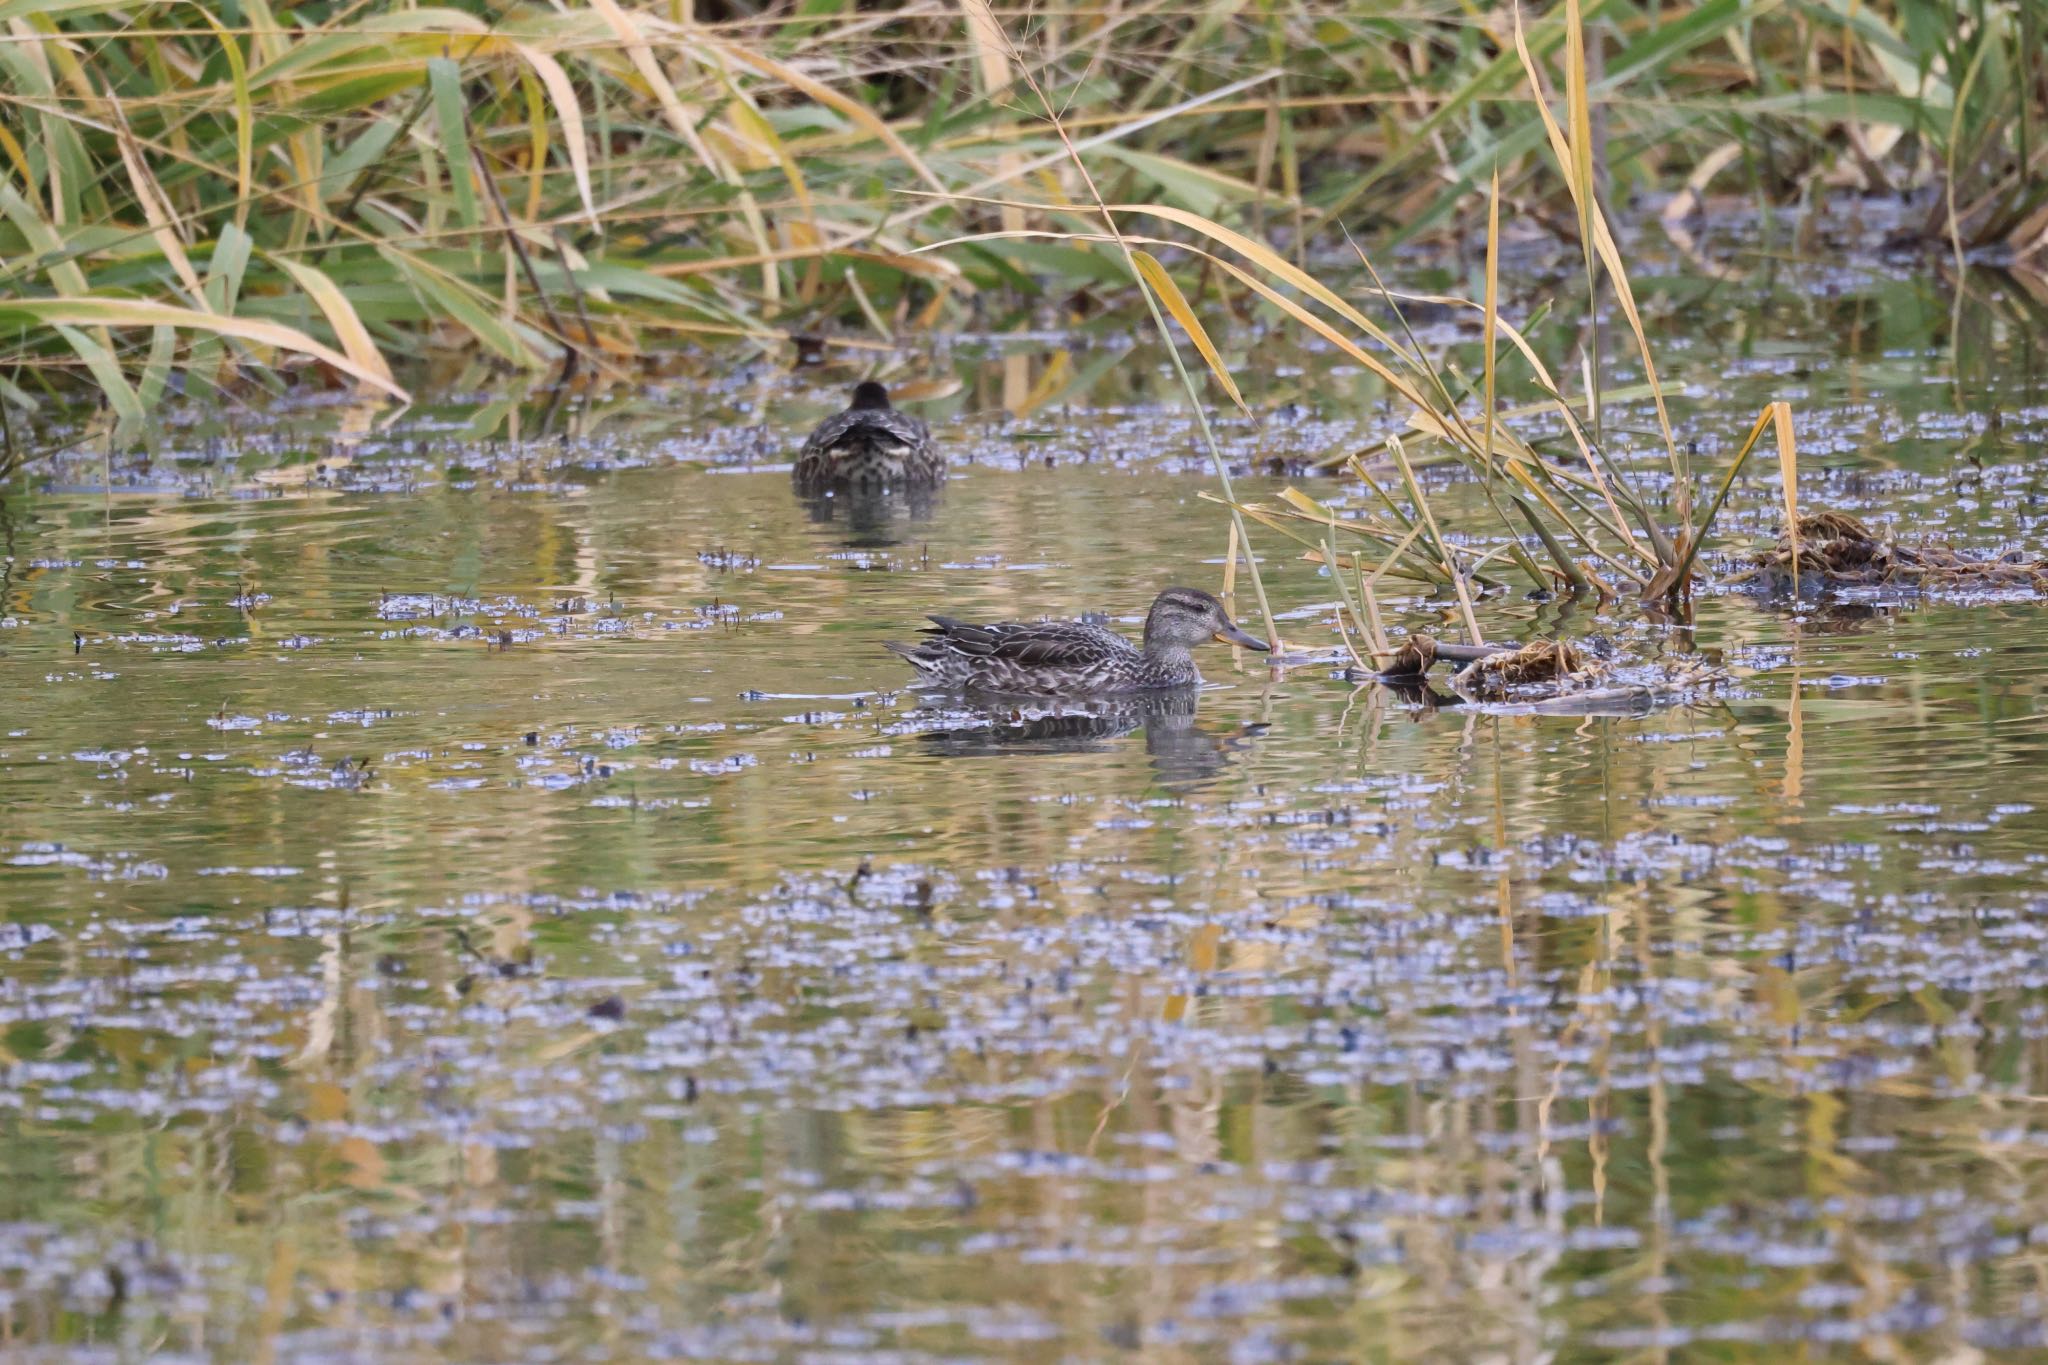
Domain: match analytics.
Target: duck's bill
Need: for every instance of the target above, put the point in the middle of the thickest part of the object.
(1231, 635)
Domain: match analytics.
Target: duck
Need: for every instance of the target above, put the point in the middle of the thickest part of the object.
(869, 447)
(1075, 658)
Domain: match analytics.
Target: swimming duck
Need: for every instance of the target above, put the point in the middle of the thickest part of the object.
(870, 446)
(1051, 658)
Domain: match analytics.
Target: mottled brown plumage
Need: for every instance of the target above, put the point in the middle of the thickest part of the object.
(1075, 658)
(869, 447)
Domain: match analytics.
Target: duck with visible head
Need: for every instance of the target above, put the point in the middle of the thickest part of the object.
(1075, 658)
(868, 448)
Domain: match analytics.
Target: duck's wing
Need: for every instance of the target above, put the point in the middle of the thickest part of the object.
(908, 430)
(833, 430)
(1032, 644)
(867, 424)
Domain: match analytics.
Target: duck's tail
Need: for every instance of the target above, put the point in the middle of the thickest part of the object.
(912, 653)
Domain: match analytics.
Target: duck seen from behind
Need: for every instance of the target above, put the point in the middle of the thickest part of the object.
(869, 447)
(1075, 658)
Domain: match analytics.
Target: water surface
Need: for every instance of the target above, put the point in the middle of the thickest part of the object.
(476, 896)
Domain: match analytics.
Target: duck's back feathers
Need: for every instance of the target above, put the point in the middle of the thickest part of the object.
(869, 446)
(1033, 644)
(1038, 658)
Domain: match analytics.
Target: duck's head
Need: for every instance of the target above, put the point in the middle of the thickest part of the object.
(1182, 618)
(868, 396)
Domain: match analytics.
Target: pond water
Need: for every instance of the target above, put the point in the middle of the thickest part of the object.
(489, 898)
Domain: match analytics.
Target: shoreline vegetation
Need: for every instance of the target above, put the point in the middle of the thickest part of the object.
(209, 198)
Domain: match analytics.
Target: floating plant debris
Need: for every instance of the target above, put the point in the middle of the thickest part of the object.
(1553, 676)
(1836, 550)
(1556, 666)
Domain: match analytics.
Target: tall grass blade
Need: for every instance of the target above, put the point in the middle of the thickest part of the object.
(1599, 242)
(1673, 580)
(1579, 176)
(1558, 554)
(1162, 284)
(1788, 480)
(129, 414)
(444, 77)
(562, 97)
(856, 112)
(355, 339)
(1492, 313)
(451, 298)
(1346, 605)
(991, 46)
(1273, 263)
(156, 371)
(104, 312)
(245, 118)
(150, 198)
(1436, 538)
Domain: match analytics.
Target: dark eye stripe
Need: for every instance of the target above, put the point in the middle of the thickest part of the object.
(1190, 600)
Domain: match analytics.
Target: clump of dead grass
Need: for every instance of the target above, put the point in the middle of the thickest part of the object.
(1551, 677)
(1494, 672)
(1836, 550)
(1552, 665)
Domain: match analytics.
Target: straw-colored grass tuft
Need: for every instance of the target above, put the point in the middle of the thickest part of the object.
(1556, 665)
(1548, 677)
(1827, 525)
(1835, 550)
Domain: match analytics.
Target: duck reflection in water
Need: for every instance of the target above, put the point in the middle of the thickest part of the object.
(1181, 751)
(874, 518)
